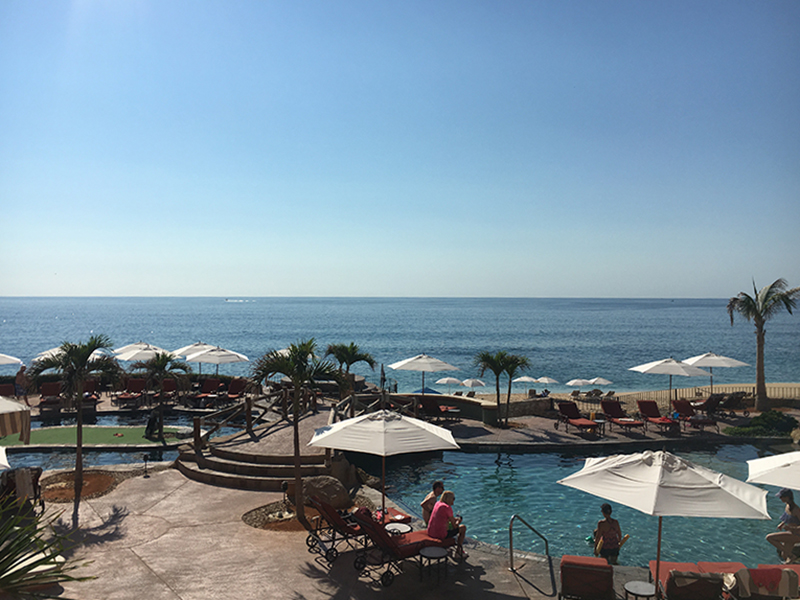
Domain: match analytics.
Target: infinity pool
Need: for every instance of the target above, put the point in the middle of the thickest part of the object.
(490, 488)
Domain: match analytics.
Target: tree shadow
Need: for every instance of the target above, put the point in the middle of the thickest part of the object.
(108, 531)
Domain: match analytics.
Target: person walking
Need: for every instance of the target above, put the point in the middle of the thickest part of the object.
(21, 384)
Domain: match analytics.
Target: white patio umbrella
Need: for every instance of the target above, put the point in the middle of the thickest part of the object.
(473, 383)
(670, 366)
(185, 351)
(15, 418)
(4, 466)
(578, 382)
(217, 356)
(140, 353)
(134, 346)
(384, 433)
(781, 470)
(53, 352)
(5, 359)
(663, 485)
(546, 380)
(448, 381)
(711, 360)
(600, 381)
(525, 379)
(422, 362)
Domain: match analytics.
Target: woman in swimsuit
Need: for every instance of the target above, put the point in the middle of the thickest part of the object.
(609, 531)
(789, 533)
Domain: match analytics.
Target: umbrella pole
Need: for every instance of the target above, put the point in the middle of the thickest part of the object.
(658, 560)
(711, 370)
(383, 486)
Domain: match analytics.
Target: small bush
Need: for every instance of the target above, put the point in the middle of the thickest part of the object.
(771, 423)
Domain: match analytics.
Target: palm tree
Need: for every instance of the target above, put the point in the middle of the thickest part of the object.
(300, 365)
(496, 363)
(75, 364)
(514, 364)
(347, 355)
(759, 308)
(162, 366)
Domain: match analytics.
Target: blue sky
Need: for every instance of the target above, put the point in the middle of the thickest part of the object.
(538, 148)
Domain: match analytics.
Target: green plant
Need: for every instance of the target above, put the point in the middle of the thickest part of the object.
(771, 423)
(30, 561)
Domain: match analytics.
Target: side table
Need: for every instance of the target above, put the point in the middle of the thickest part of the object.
(639, 589)
(433, 555)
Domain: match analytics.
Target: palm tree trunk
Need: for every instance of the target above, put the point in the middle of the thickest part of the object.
(298, 477)
(762, 402)
(78, 482)
(497, 390)
(508, 400)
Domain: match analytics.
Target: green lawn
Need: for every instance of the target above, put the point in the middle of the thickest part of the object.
(91, 435)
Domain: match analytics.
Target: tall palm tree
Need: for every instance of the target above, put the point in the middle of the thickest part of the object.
(514, 364)
(759, 308)
(496, 363)
(300, 365)
(162, 366)
(347, 355)
(75, 364)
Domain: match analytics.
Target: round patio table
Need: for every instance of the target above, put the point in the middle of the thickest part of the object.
(639, 589)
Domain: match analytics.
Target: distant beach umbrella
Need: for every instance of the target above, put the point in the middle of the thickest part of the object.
(578, 382)
(448, 381)
(600, 381)
(711, 360)
(473, 383)
(546, 380)
(135, 346)
(5, 359)
(217, 356)
(53, 352)
(781, 470)
(670, 366)
(422, 362)
(193, 349)
(141, 353)
(525, 379)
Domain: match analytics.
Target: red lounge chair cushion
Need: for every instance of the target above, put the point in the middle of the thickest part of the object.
(582, 423)
(586, 577)
(720, 567)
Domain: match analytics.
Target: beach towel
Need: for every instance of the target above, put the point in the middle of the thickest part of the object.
(769, 579)
(786, 586)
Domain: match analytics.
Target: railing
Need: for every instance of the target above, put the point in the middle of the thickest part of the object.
(511, 540)
(264, 403)
(358, 404)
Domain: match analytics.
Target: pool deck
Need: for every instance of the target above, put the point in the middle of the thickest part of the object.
(167, 537)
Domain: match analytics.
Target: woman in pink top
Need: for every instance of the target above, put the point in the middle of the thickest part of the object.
(443, 524)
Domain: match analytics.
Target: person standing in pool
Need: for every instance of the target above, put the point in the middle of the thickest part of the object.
(609, 533)
(789, 533)
(430, 500)
(444, 525)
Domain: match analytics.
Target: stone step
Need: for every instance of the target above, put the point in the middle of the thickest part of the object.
(281, 471)
(228, 480)
(264, 459)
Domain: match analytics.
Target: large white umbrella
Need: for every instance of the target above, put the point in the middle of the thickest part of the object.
(448, 381)
(546, 380)
(600, 381)
(217, 356)
(578, 382)
(422, 362)
(384, 433)
(670, 366)
(526, 379)
(53, 352)
(193, 349)
(711, 360)
(15, 418)
(781, 470)
(662, 484)
(5, 359)
(141, 352)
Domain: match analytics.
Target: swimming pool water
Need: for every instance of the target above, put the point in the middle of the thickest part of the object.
(490, 488)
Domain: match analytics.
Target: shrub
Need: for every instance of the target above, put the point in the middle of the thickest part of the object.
(771, 423)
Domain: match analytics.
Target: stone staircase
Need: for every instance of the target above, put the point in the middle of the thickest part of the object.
(224, 467)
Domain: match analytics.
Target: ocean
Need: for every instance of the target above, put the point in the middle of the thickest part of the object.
(564, 338)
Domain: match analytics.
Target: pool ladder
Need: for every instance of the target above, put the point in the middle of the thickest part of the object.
(511, 540)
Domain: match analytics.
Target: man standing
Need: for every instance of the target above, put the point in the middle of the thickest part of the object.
(21, 385)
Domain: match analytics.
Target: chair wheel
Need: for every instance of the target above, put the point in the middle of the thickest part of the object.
(331, 555)
(555, 425)
(360, 563)
(311, 542)
(387, 578)
(746, 414)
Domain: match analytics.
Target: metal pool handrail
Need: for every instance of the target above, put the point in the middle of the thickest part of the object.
(511, 540)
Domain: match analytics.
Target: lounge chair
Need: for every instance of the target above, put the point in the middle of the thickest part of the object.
(610, 395)
(20, 492)
(614, 414)
(393, 548)
(767, 582)
(133, 393)
(334, 529)
(648, 409)
(685, 581)
(586, 578)
(236, 390)
(570, 415)
(689, 418)
(208, 393)
(575, 394)
(437, 412)
(169, 391)
(734, 402)
(470, 394)
(710, 405)
(51, 402)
